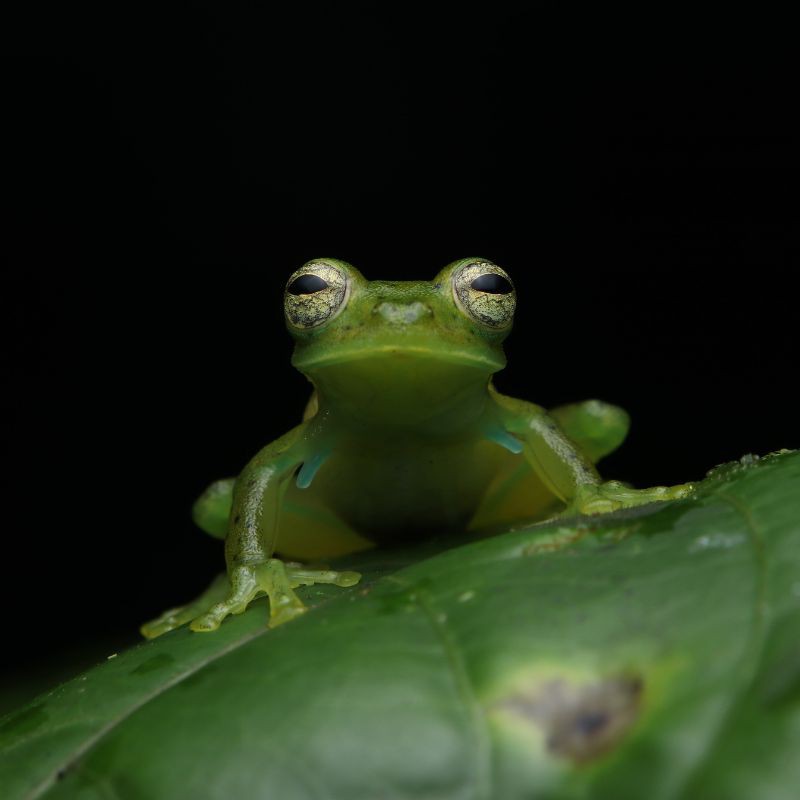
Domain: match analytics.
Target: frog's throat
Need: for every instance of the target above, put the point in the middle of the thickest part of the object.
(408, 388)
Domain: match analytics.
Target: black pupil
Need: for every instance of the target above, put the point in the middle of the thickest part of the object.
(307, 284)
(492, 283)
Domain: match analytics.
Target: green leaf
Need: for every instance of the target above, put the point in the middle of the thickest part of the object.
(650, 653)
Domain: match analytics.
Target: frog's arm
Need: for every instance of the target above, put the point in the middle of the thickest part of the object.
(257, 494)
(562, 467)
(554, 458)
(252, 532)
(212, 510)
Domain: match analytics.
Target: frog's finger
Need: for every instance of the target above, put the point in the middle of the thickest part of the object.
(653, 494)
(299, 576)
(678, 491)
(168, 621)
(600, 505)
(272, 577)
(284, 604)
(175, 617)
(244, 589)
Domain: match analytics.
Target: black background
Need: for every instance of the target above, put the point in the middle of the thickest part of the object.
(156, 195)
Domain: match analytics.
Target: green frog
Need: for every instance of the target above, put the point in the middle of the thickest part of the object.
(404, 437)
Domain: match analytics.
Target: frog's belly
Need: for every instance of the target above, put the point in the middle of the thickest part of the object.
(392, 495)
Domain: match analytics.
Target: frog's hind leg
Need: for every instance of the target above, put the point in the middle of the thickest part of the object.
(175, 617)
(211, 510)
(597, 428)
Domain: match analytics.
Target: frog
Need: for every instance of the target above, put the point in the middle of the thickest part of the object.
(404, 437)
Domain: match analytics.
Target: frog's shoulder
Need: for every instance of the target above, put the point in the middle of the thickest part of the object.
(289, 446)
(597, 427)
(514, 406)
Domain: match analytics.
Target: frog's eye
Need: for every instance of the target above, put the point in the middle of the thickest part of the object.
(315, 294)
(485, 293)
(307, 284)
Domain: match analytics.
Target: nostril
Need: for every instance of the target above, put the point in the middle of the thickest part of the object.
(402, 313)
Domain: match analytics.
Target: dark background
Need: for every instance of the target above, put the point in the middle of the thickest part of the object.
(156, 195)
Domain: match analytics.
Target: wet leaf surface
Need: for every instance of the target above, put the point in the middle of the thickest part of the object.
(654, 652)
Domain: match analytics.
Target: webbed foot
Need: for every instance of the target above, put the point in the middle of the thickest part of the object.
(233, 594)
(175, 617)
(613, 495)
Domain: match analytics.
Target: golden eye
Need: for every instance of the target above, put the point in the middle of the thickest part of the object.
(485, 293)
(315, 294)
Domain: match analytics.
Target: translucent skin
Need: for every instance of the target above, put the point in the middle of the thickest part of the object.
(404, 436)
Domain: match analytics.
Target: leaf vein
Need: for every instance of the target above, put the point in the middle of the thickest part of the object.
(455, 660)
(752, 652)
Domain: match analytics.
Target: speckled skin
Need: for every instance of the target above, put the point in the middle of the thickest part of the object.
(404, 436)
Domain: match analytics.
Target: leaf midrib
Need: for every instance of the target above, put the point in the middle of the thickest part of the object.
(463, 686)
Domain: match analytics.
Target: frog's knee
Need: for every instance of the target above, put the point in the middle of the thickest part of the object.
(598, 428)
(211, 510)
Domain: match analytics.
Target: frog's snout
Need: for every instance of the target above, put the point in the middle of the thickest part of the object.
(403, 313)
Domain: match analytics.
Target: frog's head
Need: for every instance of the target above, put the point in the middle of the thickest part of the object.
(398, 336)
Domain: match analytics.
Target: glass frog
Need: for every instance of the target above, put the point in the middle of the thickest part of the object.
(404, 437)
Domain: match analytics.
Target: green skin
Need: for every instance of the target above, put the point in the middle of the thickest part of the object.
(404, 437)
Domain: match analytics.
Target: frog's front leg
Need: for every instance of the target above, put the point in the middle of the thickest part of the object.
(278, 581)
(566, 471)
(252, 569)
(252, 536)
(613, 495)
(175, 617)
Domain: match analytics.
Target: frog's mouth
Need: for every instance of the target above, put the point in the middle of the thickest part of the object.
(397, 355)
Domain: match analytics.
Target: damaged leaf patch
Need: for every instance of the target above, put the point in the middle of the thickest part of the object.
(580, 722)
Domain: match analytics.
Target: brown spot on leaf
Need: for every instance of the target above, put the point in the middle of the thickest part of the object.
(581, 722)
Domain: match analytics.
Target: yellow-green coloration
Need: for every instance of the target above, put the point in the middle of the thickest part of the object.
(404, 437)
